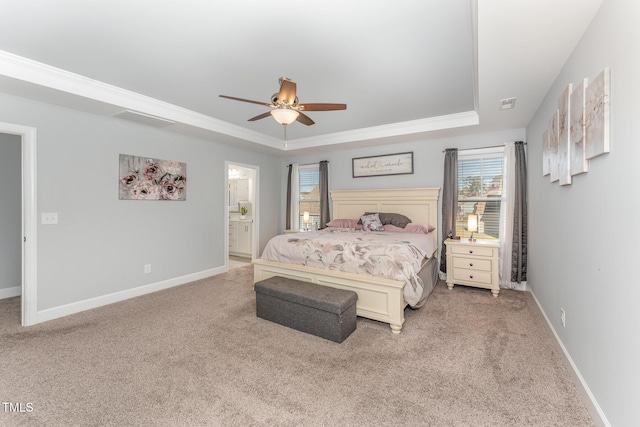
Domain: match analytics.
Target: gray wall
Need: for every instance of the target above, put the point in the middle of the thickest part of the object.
(584, 246)
(101, 243)
(428, 161)
(10, 211)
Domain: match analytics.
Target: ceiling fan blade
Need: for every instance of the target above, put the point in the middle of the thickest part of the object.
(322, 107)
(304, 119)
(287, 92)
(246, 100)
(261, 116)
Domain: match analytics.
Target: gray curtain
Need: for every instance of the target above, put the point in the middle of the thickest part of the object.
(519, 249)
(324, 193)
(288, 220)
(449, 201)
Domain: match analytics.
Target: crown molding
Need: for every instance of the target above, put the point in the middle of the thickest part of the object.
(27, 70)
(468, 118)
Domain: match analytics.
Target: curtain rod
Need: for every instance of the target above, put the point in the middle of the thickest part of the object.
(480, 148)
(315, 163)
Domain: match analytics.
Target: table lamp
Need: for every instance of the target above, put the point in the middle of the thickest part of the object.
(472, 225)
(305, 218)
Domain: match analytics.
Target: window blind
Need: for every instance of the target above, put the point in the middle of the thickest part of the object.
(480, 192)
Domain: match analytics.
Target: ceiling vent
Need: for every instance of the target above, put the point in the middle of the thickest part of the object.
(507, 104)
(145, 119)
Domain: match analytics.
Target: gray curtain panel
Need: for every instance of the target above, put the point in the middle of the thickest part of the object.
(449, 201)
(288, 220)
(324, 193)
(519, 250)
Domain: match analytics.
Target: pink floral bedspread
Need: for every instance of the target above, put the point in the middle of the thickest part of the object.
(397, 256)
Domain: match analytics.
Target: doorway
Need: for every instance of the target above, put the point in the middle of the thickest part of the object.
(242, 206)
(27, 238)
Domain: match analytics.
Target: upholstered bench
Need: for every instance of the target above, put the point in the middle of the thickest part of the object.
(315, 309)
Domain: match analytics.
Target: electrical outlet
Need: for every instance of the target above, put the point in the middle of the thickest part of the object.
(50, 218)
(147, 268)
(563, 319)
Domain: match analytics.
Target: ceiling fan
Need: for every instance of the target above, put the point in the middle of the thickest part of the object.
(285, 106)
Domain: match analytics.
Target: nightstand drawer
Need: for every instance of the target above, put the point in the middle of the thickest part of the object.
(471, 250)
(472, 263)
(474, 276)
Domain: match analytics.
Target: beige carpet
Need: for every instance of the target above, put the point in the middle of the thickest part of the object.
(197, 355)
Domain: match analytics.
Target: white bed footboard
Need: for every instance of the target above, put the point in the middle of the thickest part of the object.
(378, 298)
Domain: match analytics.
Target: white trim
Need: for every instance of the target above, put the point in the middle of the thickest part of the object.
(27, 70)
(226, 215)
(596, 412)
(29, 220)
(77, 307)
(429, 124)
(255, 236)
(473, 18)
(10, 292)
(256, 209)
(480, 153)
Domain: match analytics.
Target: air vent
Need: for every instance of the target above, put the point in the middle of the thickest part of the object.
(145, 119)
(508, 103)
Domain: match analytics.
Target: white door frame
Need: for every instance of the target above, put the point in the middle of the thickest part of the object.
(256, 209)
(29, 221)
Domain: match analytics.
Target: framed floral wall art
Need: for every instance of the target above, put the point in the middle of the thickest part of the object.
(144, 178)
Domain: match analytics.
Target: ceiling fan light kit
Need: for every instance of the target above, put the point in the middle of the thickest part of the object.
(284, 116)
(285, 107)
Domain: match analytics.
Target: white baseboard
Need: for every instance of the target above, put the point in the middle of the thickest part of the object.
(522, 287)
(597, 415)
(10, 292)
(77, 307)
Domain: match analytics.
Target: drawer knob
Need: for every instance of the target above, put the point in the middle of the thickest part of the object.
(470, 264)
(470, 276)
(470, 251)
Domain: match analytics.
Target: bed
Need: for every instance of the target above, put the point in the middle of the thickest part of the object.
(379, 298)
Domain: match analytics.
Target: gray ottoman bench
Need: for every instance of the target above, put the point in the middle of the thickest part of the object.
(315, 309)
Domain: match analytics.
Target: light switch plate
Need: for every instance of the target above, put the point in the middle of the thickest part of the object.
(49, 218)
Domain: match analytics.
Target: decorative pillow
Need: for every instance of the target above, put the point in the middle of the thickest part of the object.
(396, 219)
(344, 223)
(371, 222)
(410, 228)
(419, 228)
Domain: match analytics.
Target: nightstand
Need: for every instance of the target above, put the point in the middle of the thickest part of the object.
(473, 264)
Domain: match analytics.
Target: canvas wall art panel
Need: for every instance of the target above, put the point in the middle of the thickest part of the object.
(546, 152)
(144, 178)
(597, 115)
(553, 147)
(578, 159)
(564, 162)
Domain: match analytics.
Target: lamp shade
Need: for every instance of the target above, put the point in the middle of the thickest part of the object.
(305, 216)
(472, 222)
(284, 116)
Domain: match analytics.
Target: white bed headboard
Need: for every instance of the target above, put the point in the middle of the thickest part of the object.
(419, 204)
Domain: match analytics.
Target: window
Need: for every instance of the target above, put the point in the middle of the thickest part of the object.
(480, 191)
(309, 197)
